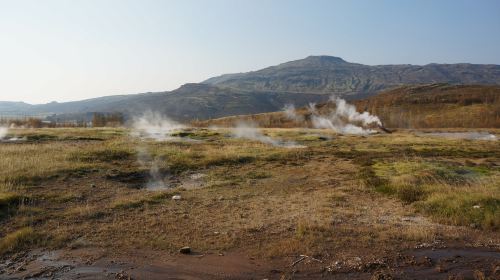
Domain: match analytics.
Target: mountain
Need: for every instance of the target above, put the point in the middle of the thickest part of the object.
(12, 107)
(302, 81)
(333, 75)
(422, 106)
(190, 101)
(201, 101)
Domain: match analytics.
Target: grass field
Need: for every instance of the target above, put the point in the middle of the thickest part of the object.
(338, 197)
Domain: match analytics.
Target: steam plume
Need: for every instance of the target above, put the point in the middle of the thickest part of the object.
(3, 132)
(250, 131)
(153, 164)
(155, 126)
(291, 114)
(342, 120)
(312, 108)
(349, 111)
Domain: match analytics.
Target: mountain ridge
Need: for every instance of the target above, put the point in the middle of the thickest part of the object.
(301, 81)
(329, 74)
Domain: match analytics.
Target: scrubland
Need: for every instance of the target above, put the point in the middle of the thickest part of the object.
(337, 198)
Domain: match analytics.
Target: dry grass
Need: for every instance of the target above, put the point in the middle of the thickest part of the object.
(19, 239)
(450, 193)
(265, 200)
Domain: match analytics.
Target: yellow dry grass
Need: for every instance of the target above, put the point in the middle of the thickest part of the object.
(269, 201)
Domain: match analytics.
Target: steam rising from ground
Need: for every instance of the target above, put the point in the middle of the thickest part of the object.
(156, 178)
(344, 119)
(249, 130)
(349, 111)
(291, 113)
(3, 132)
(155, 126)
(312, 108)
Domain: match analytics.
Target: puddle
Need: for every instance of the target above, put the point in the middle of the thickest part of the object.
(13, 139)
(462, 135)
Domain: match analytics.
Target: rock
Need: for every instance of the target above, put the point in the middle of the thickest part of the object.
(176, 197)
(476, 206)
(185, 250)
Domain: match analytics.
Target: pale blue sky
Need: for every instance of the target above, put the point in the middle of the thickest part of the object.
(70, 50)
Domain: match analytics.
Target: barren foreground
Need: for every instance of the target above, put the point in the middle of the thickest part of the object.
(98, 203)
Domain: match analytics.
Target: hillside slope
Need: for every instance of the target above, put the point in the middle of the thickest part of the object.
(200, 101)
(424, 106)
(436, 106)
(333, 75)
(189, 102)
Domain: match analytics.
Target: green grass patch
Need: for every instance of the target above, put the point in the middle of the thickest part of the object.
(451, 194)
(469, 209)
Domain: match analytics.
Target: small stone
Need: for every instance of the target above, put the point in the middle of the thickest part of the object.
(176, 197)
(185, 250)
(476, 206)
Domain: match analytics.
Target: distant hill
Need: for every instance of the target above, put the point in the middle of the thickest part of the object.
(423, 106)
(189, 102)
(435, 106)
(333, 75)
(311, 79)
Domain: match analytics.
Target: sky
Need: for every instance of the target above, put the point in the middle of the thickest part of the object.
(58, 50)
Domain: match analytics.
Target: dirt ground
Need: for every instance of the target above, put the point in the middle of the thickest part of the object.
(96, 263)
(339, 207)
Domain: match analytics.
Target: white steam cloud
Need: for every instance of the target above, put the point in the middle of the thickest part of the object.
(156, 178)
(249, 130)
(311, 107)
(349, 111)
(3, 132)
(291, 114)
(155, 126)
(344, 119)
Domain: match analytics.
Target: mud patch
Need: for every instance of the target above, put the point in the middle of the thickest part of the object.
(89, 264)
(452, 263)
